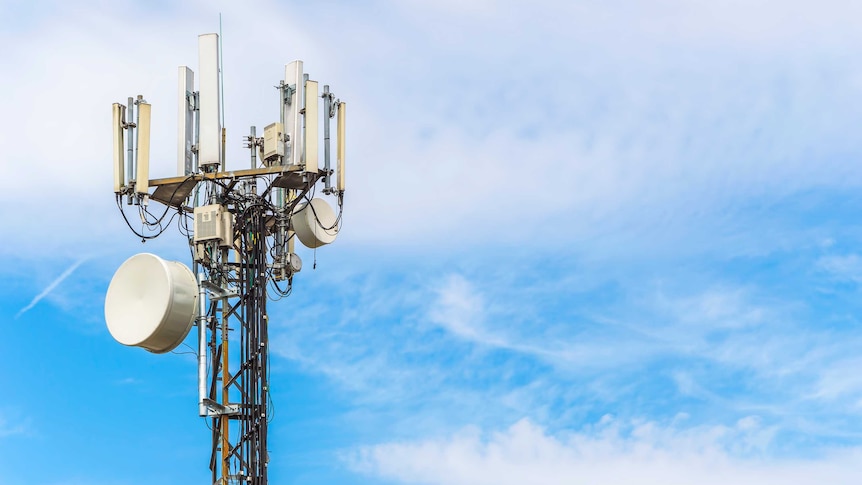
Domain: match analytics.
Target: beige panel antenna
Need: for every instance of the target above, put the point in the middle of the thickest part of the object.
(142, 175)
(339, 147)
(119, 172)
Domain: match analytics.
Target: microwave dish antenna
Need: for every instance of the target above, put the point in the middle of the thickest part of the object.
(315, 223)
(151, 303)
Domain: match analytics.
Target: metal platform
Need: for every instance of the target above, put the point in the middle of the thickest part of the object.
(173, 191)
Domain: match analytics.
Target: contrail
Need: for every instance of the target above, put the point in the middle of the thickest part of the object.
(48, 289)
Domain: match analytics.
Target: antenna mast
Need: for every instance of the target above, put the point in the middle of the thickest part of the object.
(241, 227)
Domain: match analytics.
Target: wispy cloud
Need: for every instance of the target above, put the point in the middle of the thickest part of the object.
(843, 267)
(7, 428)
(502, 343)
(127, 381)
(51, 286)
(460, 308)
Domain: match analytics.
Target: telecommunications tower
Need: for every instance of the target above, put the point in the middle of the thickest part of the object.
(241, 226)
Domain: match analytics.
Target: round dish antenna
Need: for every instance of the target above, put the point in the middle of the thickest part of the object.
(315, 223)
(151, 303)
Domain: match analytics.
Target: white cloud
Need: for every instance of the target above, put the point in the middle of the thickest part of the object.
(608, 453)
(566, 132)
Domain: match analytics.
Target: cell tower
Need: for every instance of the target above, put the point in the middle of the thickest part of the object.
(241, 226)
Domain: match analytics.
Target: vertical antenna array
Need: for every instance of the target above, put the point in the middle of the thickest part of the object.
(241, 226)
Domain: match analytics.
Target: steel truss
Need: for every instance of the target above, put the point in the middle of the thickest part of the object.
(243, 247)
(237, 343)
(241, 456)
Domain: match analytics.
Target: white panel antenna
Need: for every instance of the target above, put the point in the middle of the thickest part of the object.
(339, 150)
(119, 111)
(142, 177)
(291, 106)
(311, 112)
(210, 141)
(185, 121)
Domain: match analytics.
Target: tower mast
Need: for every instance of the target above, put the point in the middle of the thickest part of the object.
(241, 227)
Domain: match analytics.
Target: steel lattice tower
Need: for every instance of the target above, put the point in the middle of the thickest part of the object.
(244, 224)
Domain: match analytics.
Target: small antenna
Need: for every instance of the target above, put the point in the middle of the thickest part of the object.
(221, 67)
(223, 133)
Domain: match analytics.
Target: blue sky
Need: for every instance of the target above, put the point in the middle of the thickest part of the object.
(584, 243)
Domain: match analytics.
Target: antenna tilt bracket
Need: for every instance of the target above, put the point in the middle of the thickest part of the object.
(287, 91)
(217, 292)
(217, 409)
(332, 105)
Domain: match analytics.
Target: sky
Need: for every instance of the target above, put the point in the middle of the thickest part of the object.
(586, 243)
